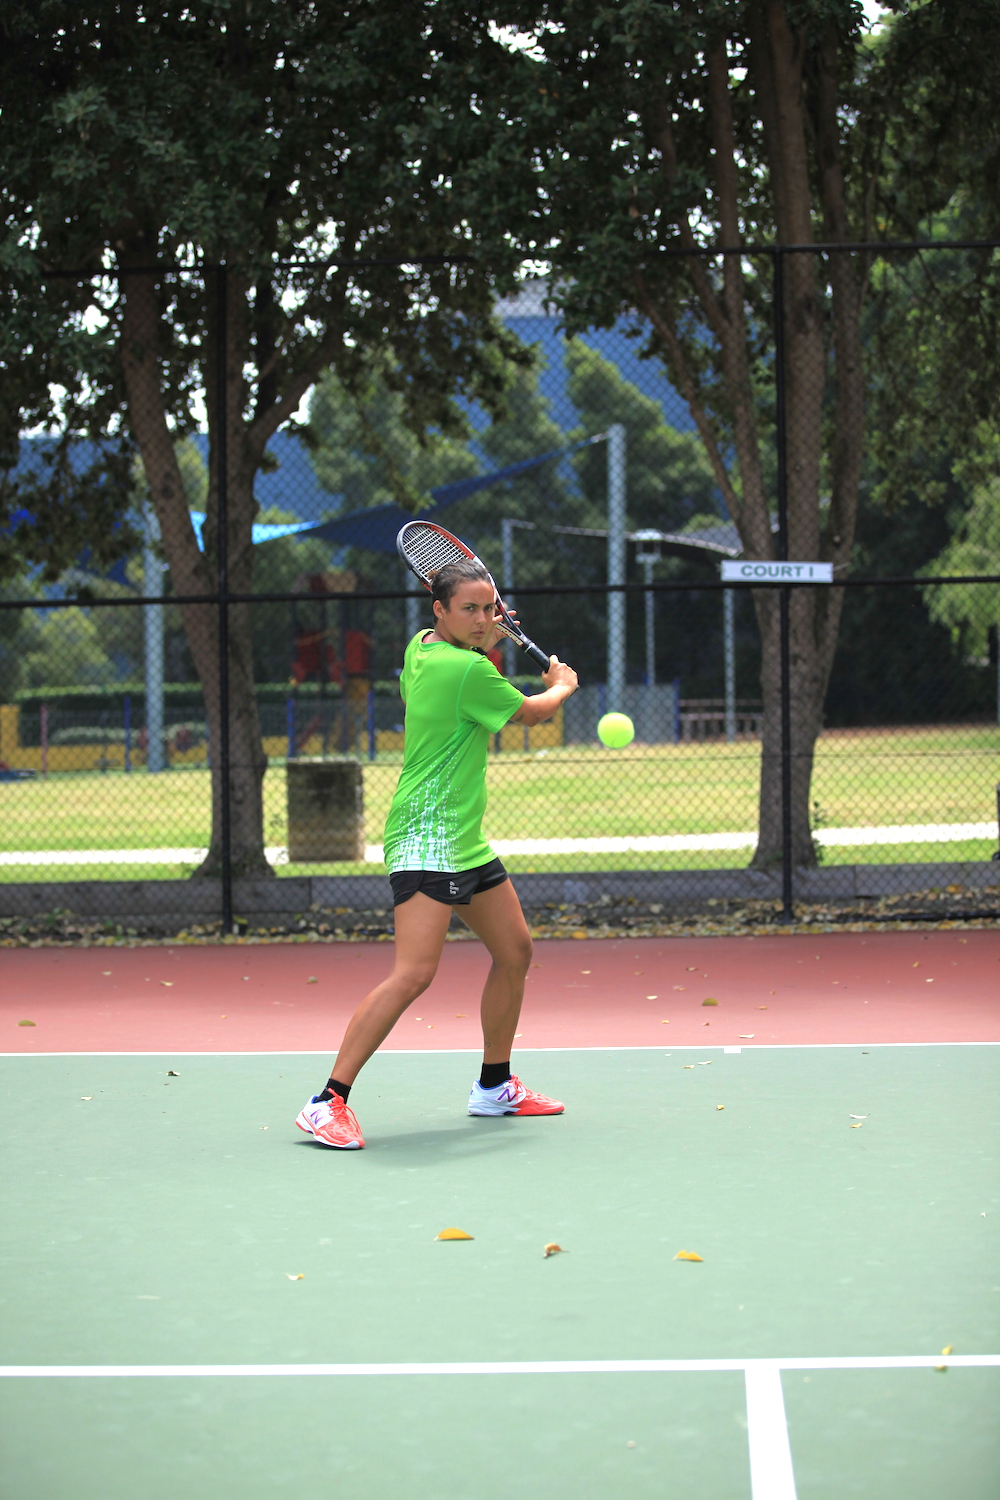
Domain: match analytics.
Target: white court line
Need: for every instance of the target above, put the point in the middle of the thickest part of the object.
(451, 1051)
(771, 1474)
(513, 1367)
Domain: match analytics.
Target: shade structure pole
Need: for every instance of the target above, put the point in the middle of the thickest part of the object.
(413, 603)
(616, 567)
(729, 659)
(152, 586)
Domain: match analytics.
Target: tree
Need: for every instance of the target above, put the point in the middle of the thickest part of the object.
(635, 136)
(669, 476)
(972, 611)
(143, 136)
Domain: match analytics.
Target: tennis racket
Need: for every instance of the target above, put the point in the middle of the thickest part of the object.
(426, 548)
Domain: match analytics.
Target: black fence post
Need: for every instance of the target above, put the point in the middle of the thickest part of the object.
(787, 909)
(222, 559)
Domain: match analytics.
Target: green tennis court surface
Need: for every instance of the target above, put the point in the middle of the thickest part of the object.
(157, 1223)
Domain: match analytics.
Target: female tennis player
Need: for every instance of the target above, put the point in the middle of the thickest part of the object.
(436, 854)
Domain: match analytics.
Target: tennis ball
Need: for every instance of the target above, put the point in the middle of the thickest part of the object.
(615, 731)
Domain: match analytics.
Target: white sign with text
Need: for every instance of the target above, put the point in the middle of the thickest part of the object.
(777, 572)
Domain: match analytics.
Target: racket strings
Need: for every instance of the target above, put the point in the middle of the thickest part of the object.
(428, 551)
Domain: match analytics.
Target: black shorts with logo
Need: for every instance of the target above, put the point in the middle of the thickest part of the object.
(452, 889)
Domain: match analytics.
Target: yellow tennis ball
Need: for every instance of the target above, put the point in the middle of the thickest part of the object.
(615, 731)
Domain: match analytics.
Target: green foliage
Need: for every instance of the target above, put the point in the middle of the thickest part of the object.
(172, 135)
(366, 454)
(668, 473)
(63, 645)
(970, 612)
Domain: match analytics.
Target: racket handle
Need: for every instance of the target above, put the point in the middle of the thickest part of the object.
(536, 653)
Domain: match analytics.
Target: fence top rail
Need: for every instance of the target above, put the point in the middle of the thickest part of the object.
(133, 600)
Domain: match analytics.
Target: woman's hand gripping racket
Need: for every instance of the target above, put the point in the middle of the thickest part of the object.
(426, 548)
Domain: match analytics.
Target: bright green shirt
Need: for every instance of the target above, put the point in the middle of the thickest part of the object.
(455, 700)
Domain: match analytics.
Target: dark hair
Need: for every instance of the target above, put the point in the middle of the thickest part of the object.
(446, 580)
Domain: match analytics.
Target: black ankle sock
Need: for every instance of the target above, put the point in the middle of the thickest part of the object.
(494, 1074)
(333, 1087)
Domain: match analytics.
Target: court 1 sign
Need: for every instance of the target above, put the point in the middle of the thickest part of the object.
(777, 572)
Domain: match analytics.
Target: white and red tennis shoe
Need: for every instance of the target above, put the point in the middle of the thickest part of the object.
(511, 1098)
(331, 1122)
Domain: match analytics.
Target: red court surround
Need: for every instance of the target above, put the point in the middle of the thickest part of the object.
(833, 987)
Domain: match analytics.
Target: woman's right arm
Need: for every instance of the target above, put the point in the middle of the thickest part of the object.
(560, 684)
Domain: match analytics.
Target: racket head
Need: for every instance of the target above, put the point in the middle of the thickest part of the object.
(426, 549)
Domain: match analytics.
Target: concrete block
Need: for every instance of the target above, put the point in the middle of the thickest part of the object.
(326, 811)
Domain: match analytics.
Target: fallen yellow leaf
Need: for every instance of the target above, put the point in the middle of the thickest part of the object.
(710, 1001)
(691, 968)
(105, 972)
(941, 1368)
(652, 997)
(948, 1349)
(687, 1255)
(553, 1249)
(295, 1276)
(689, 1065)
(168, 982)
(585, 971)
(747, 1036)
(25, 1023)
(664, 1023)
(312, 979)
(85, 1097)
(680, 987)
(858, 1125)
(454, 1234)
(720, 1106)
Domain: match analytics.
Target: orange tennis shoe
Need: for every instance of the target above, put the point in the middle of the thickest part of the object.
(331, 1122)
(511, 1098)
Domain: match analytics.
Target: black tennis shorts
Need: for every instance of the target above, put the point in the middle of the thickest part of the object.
(441, 885)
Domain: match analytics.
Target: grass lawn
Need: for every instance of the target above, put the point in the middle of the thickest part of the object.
(943, 774)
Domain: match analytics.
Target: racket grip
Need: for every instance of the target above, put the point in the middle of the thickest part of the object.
(537, 654)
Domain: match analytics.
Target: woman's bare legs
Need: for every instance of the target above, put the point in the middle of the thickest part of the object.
(421, 925)
(496, 918)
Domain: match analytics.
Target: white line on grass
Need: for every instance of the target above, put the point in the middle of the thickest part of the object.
(277, 854)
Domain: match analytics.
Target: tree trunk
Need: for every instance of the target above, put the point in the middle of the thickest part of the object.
(192, 571)
(812, 638)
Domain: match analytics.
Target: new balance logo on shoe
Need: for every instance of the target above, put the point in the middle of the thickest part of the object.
(511, 1098)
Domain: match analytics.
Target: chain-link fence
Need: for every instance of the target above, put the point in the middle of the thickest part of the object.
(222, 701)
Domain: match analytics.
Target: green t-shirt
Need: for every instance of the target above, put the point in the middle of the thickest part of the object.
(455, 700)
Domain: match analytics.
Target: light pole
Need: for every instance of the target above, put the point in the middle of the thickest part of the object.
(507, 542)
(729, 659)
(616, 567)
(647, 552)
